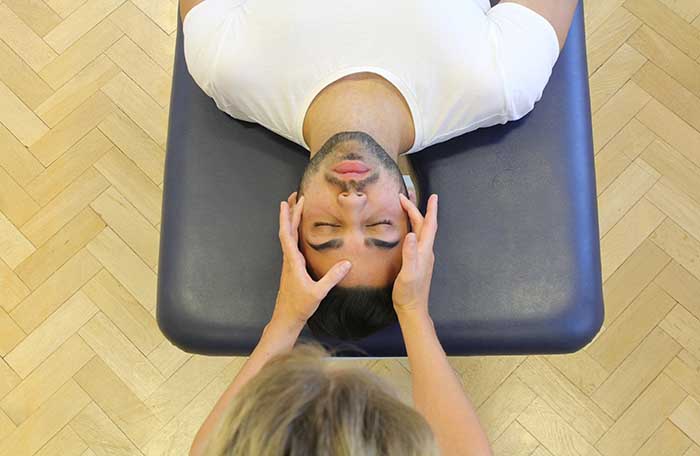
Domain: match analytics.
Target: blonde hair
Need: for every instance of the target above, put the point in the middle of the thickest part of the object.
(298, 406)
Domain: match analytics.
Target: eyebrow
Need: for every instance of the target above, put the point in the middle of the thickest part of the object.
(338, 243)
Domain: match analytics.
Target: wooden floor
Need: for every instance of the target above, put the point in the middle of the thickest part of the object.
(84, 93)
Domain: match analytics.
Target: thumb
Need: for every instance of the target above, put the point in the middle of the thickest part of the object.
(333, 276)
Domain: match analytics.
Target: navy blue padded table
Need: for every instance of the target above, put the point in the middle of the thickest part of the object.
(517, 267)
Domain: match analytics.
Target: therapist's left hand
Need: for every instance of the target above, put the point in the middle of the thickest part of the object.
(299, 295)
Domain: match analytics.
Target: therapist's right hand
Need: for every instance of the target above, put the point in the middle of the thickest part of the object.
(412, 284)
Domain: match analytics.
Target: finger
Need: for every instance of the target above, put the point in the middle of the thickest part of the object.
(414, 214)
(292, 199)
(285, 237)
(296, 217)
(409, 254)
(332, 277)
(284, 218)
(430, 224)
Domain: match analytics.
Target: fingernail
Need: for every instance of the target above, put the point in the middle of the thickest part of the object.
(346, 265)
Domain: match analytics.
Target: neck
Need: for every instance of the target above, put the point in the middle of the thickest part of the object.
(370, 106)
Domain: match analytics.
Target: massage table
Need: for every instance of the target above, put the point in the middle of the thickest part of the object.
(517, 255)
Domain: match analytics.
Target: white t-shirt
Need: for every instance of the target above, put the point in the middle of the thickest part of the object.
(459, 64)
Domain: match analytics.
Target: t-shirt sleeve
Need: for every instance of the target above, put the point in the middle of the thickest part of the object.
(203, 29)
(526, 48)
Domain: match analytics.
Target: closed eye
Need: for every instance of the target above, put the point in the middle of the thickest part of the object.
(383, 222)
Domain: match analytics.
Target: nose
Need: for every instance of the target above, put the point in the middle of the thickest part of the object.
(352, 199)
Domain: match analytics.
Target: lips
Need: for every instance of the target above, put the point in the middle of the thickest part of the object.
(354, 167)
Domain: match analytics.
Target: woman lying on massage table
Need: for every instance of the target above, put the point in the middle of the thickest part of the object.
(284, 401)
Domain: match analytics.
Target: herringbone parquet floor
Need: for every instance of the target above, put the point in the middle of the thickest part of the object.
(84, 93)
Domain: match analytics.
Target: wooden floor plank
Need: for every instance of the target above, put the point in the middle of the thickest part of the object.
(567, 401)
(14, 290)
(51, 295)
(55, 252)
(100, 433)
(667, 440)
(621, 338)
(80, 22)
(617, 112)
(636, 372)
(21, 79)
(48, 421)
(36, 14)
(667, 56)
(22, 39)
(135, 144)
(17, 161)
(24, 124)
(58, 328)
(80, 54)
(515, 441)
(616, 156)
(687, 418)
(682, 286)
(72, 128)
(614, 73)
(65, 206)
(132, 183)
(610, 35)
(684, 369)
(628, 234)
(629, 187)
(654, 81)
(672, 129)
(14, 246)
(45, 380)
(684, 328)
(503, 407)
(65, 443)
(76, 91)
(17, 205)
(118, 401)
(662, 19)
(553, 431)
(124, 311)
(681, 246)
(126, 266)
(121, 355)
(642, 419)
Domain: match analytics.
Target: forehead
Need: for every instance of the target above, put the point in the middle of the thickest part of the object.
(370, 267)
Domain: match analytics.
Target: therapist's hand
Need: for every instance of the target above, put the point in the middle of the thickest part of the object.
(412, 284)
(299, 295)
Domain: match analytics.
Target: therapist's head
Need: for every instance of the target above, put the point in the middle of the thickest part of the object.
(357, 217)
(299, 404)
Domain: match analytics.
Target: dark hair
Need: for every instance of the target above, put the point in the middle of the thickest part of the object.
(353, 313)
